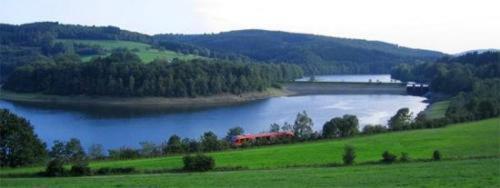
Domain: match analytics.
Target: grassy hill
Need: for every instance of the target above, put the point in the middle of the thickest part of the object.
(145, 51)
(466, 140)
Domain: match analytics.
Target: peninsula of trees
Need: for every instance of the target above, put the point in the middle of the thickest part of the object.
(123, 74)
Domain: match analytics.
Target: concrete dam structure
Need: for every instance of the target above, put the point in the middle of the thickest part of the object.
(307, 88)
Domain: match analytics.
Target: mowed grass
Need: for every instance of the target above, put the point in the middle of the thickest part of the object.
(481, 138)
(437, 110)
(461, 173)
(144, 51)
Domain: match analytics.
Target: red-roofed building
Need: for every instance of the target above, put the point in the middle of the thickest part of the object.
(240, 139)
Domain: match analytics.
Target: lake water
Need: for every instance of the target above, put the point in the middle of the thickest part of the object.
(385, 78)
(116, 127)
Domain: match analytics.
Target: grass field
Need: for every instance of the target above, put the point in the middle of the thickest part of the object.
(144, 51)
(437, 110)
(462, 173)
(465, 140)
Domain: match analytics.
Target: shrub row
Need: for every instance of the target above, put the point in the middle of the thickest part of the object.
(387, 157)
(55, 168)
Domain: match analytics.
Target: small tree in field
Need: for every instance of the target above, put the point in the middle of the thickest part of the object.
(80, 168)
(404, 157)
(55, 168)
(349, 155)
(436, 155)
(198, 162)
(388, 157)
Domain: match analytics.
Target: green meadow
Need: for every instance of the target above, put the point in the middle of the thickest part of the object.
(460, 173)
(437, 110)
(145, 51)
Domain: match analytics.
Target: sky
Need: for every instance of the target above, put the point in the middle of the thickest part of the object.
(449, 26)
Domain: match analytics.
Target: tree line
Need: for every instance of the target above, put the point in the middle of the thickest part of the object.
(473, 79)
(123, 74)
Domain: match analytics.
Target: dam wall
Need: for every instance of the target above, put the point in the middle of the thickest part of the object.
(308, 88)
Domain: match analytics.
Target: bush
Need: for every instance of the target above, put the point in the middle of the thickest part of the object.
(404, 157)
(349, 155)
(80, 169)
(436, 155)
(198, 162)
(388, 157)
(55, 168)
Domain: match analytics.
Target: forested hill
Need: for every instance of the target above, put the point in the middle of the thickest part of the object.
(35, 34)
(314, 53)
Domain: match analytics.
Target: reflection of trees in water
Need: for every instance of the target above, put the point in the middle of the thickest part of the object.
(105, 112)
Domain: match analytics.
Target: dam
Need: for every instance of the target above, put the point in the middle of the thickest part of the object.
(309, 88)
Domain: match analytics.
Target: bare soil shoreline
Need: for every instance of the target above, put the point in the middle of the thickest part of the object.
(289, 89)
(163, 102)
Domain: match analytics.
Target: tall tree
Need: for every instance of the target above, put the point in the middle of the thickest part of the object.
(174, 145)
(19, 145)
(209, 142)
(302, 127)
(401, 120)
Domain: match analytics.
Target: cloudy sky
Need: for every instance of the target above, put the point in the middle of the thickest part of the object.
(449, 26)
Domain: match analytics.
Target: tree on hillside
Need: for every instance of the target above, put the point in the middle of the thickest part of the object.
(174, 145)
(70, 151)
(149, 149)
(401, 120)
(96, 151)
(349, 155)
(287, 127)
(350, 126)
(210, 142)
(235, 131)
(19, 145)
(274, 127)
(302, 127)
(341, 127)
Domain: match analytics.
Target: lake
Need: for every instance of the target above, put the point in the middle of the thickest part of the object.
(385, 78)
(116, 127)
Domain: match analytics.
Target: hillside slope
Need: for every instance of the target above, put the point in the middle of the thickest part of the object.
(315, 53)
(146, 52)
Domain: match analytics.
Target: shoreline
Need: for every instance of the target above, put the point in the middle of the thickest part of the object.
(142, 102)
(288, 89)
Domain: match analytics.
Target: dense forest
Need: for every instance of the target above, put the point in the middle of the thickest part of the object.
(123, 74)
(473, 78)
(23, 44)
(315, 54)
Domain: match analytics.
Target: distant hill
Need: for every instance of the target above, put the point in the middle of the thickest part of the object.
(42, 41)
(479, 51)
(316, 54)
(22, 44)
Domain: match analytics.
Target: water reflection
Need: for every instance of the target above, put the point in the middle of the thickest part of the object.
(115, 127)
